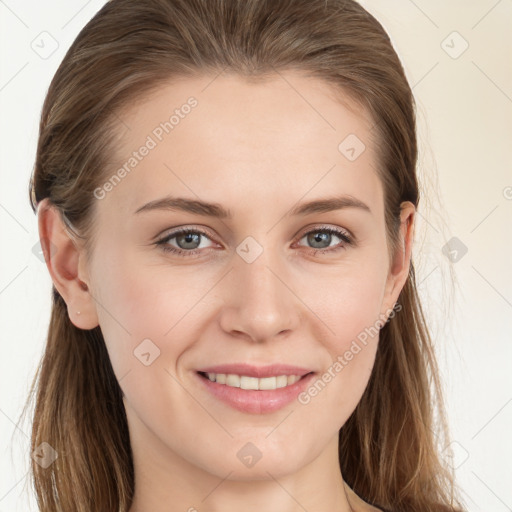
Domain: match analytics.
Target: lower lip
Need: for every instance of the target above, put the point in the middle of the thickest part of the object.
(255, 401)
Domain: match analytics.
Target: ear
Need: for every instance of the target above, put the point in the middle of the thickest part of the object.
(64, 259)
(401, 261)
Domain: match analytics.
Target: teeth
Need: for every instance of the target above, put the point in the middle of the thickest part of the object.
(245, 382)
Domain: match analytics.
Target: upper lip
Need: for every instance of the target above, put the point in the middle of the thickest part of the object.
(272, 370)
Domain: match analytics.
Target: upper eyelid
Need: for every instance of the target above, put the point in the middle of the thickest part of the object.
(325, 227)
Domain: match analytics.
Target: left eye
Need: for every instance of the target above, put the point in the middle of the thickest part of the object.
(188, 241)
(324, 235)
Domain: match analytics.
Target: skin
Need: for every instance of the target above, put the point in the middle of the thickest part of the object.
(257, 149)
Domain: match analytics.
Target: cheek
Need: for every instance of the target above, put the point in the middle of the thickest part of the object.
(347, 300)
(348, 306)
(140, 308)
(148, 318)
(151, 316)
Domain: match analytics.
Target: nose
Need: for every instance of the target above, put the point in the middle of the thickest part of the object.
(259, 302)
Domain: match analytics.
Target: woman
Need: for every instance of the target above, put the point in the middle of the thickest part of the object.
(226, 193)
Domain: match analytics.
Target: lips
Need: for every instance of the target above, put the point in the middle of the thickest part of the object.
(255, 401)
(271, 370)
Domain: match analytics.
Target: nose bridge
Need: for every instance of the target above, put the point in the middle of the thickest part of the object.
(259, 303)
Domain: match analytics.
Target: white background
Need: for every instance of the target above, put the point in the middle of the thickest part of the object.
(464, 122)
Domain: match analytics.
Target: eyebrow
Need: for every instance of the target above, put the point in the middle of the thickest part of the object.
(218, 211)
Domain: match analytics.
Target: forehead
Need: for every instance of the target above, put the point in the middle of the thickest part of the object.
(223, 138)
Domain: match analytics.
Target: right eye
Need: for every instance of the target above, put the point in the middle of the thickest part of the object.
(183, 237)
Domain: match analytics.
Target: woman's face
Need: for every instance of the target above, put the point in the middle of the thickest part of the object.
(264, 285)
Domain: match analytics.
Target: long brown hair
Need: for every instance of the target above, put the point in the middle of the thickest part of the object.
(388, 448)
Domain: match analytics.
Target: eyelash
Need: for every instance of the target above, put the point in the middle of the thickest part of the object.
(343, 235)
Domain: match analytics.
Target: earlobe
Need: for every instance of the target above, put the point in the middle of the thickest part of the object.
(62, 255)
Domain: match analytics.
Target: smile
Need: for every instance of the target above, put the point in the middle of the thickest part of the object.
(254, 395)
(246, 382)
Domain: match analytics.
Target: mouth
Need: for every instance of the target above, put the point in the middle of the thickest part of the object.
(254, 395)
(248, 382)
